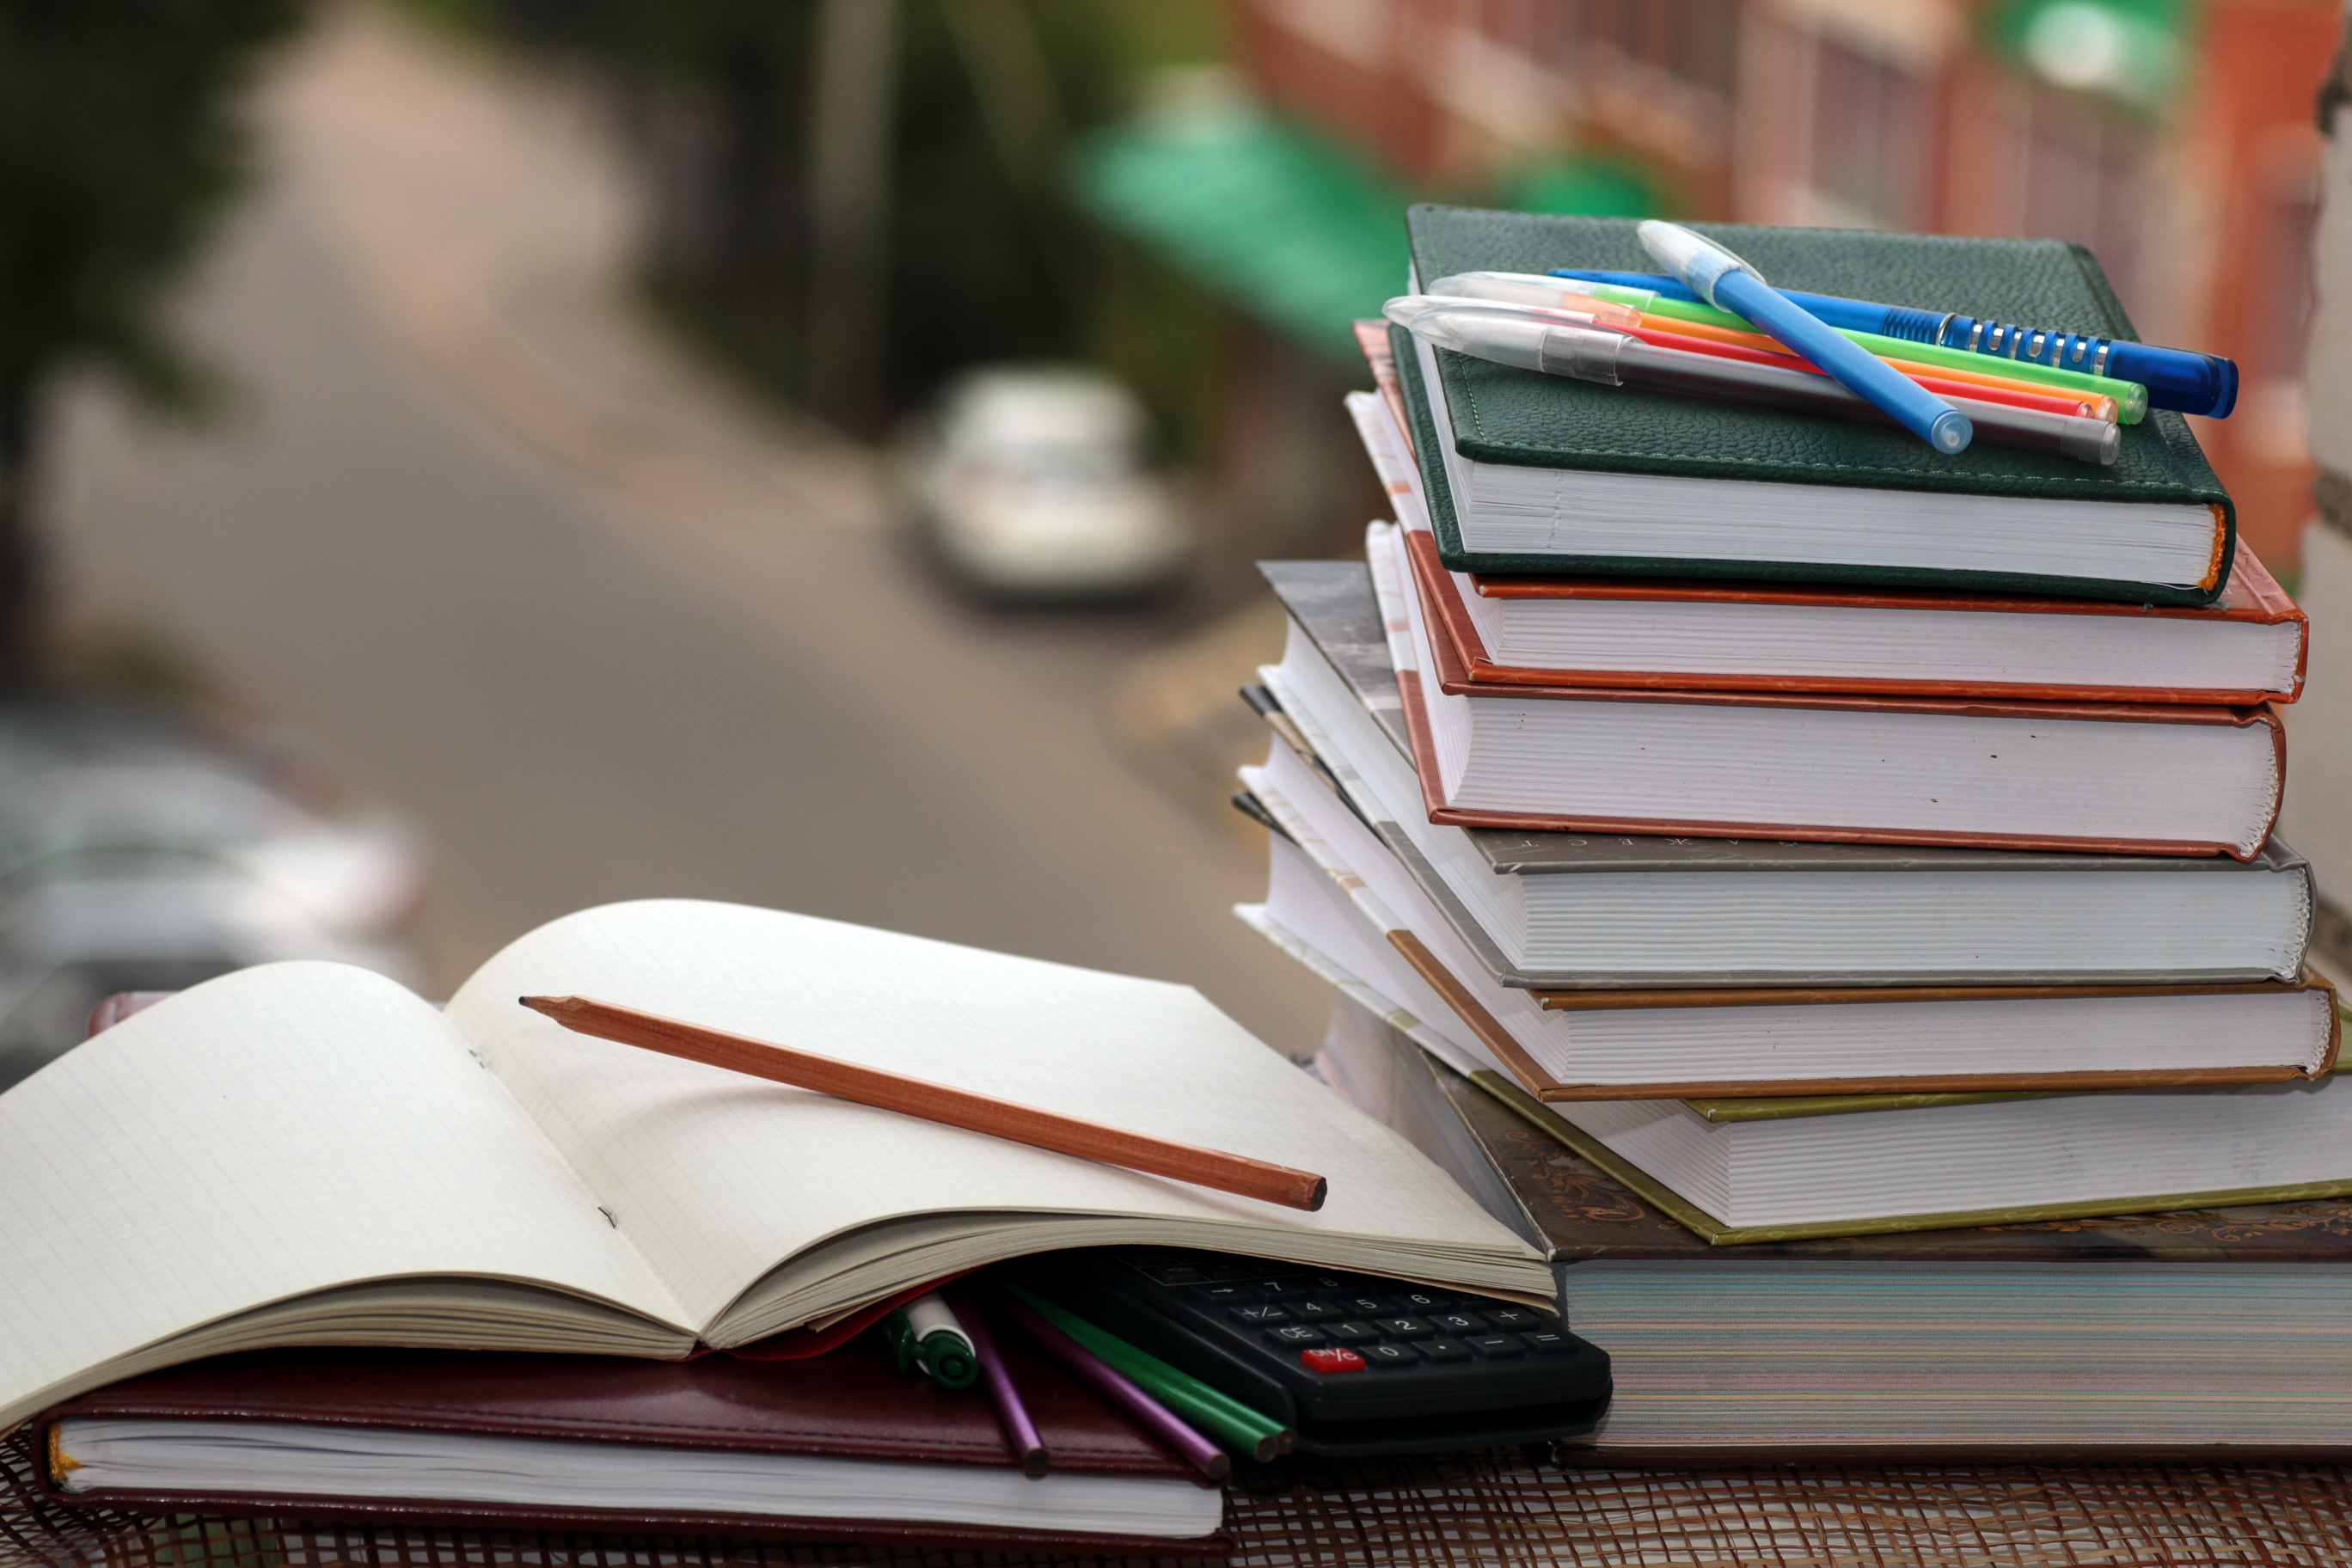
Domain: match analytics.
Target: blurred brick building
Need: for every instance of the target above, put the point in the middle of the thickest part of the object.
(2176, 140)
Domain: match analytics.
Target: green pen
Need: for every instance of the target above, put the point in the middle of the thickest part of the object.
(1253, 1432)
(2131, 397)
(924, 1334)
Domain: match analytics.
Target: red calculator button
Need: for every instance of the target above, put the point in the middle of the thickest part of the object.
(1332, 1358)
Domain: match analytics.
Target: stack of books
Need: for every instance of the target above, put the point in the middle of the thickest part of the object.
(1848, 869)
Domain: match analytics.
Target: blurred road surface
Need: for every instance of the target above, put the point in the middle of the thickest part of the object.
(486, 544)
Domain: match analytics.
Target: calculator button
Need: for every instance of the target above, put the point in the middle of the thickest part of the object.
(1175, 1274)
(1458, 1324)
(1286, 1285)
(1404, 1328)
(1296, 1336)
(1231, 1271)
(1514, 1318)
(1390, 1355)
(1225, 1295)
(1365, 1306)
(1258, 1315)
(1349, 1331)
(1329, 1284)
(1425, 1301)
(1446, 1349)
(1549, 1342)
(1497, 1347)
(1337, 1358)
(1315, 1309)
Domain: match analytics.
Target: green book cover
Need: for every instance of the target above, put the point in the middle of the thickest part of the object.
(1504, 416)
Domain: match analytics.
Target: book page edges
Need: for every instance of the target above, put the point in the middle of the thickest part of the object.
(1424, 758)
(1451, 624)
(1717, 1234)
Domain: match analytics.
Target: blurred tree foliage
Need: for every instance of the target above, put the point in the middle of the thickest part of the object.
(119, 145)
(986, 258)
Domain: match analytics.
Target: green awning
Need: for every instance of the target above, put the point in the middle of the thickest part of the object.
(1571, 184)
(1292, 229)
(2129, 50)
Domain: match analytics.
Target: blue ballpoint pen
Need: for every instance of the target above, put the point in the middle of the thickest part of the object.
(2184, 379)
(1728, 283)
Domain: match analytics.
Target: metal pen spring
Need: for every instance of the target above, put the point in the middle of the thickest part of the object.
(2066, 351)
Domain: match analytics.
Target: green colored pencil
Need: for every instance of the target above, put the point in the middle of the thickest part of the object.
(1249, 1430)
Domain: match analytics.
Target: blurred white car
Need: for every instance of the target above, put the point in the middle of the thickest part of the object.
(1032, 483)
(135, 856)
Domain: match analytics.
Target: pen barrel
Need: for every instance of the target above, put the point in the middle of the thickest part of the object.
(2181, 379)
(2175, 378)
(1669, 369)
(1585, 354)
(1985, 386)
(1912, 406)
(2132, 398)
(1196, 1449)
(1020, 1427)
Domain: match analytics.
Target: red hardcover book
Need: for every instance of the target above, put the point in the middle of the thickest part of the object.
(836, 1448)
(2251, 647)
(2117, 778)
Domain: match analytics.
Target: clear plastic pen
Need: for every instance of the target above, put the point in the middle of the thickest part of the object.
(1728, 283)
(1558, 343)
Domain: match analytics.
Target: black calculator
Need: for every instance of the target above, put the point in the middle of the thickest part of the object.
(1355, 1363)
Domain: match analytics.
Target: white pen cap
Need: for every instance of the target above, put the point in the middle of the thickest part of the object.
(1698, 260)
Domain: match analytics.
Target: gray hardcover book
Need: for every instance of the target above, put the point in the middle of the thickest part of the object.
(1547, 910)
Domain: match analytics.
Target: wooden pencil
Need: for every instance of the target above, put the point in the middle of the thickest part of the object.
(935, 1102)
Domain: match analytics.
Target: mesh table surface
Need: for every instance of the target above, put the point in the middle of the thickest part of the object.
(1453, 1512)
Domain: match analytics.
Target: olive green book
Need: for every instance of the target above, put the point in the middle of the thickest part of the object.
(1662, 1199)
(1546, 474)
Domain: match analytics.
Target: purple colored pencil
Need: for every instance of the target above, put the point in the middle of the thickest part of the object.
(1196, 1450)
(1019, 1430)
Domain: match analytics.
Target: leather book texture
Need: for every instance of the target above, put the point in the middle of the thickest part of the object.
(849, 1404)
(1516, 417)
(2253, 596)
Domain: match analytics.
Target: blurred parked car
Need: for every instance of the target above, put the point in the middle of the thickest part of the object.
(1032, 482)
(136, 856)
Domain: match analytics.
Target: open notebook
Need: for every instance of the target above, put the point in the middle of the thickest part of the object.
(306, 1154)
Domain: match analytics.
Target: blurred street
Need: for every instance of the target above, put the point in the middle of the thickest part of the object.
(489, 548)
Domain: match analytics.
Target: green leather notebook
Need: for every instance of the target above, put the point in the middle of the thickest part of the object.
(1567, 477)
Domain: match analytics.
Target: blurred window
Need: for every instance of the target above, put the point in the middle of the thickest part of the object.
(1866, 157)
(2081, 170)
(1693, 41)
(2285, 225)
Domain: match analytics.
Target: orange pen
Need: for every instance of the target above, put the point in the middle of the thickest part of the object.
(1958, 382)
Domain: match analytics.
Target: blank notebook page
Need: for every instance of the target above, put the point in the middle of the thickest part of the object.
(276, 1131)
(719, 1177)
